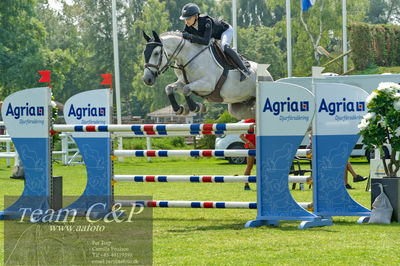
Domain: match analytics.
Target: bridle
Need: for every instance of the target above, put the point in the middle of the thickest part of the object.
(178, 49)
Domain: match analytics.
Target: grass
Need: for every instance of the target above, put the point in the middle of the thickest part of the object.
(217, 237)
(377, 70)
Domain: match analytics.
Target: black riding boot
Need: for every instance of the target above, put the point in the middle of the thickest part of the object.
(244, 71)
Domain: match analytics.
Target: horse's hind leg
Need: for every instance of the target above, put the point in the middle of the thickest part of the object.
(195, 106)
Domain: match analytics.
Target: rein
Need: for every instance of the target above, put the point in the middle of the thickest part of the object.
(178, 49)
(182, 67)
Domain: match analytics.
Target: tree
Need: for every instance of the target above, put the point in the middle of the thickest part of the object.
(260, 44)
(21, 45)
(174, 8)
(153, 17)
(251, 13)
(321, 20)
(383, 12)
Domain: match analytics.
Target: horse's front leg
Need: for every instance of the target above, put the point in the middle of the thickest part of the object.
(198, 85)
(169, 90)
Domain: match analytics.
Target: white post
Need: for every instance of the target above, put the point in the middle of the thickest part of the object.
(148, 146)
(344, 17)
(8, 149)
(288, 38)
(116, 67)
(64, 149)
(234, 23)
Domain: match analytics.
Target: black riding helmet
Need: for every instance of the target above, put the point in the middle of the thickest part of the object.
(189, 10)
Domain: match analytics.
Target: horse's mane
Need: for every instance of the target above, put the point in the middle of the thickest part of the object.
(171, 33)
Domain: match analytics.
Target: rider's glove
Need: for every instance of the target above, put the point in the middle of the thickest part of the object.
(186, 35)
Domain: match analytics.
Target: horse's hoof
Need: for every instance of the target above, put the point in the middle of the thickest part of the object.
(186, 110)
(203, 108)
(200, 108)
(180, 110)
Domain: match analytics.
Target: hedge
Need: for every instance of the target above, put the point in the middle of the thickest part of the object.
(374, 45)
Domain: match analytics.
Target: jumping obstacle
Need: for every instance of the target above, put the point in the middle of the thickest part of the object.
(184, 153)
(282, 121)
(94, 143)
(158, 129)
(199, 179)
(196, 204)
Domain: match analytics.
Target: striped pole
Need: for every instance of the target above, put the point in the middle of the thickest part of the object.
(161, 129)
(199, 179)
(173, 134)
(184, 153)
(185, 178)
(188, 204)
(197, 204)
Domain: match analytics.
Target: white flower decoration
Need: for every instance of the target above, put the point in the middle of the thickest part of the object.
(382, 123)
(363, 124)
(369, 116)
(371, 97)
(388, 86)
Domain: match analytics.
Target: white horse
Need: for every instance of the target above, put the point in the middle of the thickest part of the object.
(198, 72)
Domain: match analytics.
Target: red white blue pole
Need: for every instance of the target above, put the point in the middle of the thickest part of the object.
(184, 153)
(161, 129)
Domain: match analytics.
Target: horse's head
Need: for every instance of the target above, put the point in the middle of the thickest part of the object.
(154, 58)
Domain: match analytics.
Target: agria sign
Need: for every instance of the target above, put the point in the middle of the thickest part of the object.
(289, 106)
(87, 111)
(24, 111)
(288, 110)
(344, 106)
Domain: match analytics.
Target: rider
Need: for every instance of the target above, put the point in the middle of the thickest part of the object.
(201, 28)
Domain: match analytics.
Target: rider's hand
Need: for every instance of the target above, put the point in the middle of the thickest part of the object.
(186, 35)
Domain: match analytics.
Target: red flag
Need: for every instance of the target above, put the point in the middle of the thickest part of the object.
(45, 76)
(107, 79)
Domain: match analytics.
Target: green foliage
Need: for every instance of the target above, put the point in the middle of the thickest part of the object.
(162, 143)
(21, 45)
(259, 44)
(321, 25)
(381, 125)
(377, 70)
(374, 45)
(383, 11)
(174, 7)
(214, 110)
(153, 17)
(361, 43)
(225, 117)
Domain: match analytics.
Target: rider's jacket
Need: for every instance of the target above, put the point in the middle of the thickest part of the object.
(208, 28)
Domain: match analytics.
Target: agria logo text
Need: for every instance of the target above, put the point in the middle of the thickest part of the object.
(286, 106)
(88, 111)
(343, 106)
(24, 111)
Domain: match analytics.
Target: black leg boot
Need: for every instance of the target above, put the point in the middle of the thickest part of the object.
(245, 72)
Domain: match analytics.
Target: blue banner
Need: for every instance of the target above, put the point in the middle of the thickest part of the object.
(306, 4)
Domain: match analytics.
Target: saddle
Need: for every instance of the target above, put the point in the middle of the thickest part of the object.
(223, 59)
(227, 64)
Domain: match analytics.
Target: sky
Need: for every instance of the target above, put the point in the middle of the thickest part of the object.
(56, 4)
